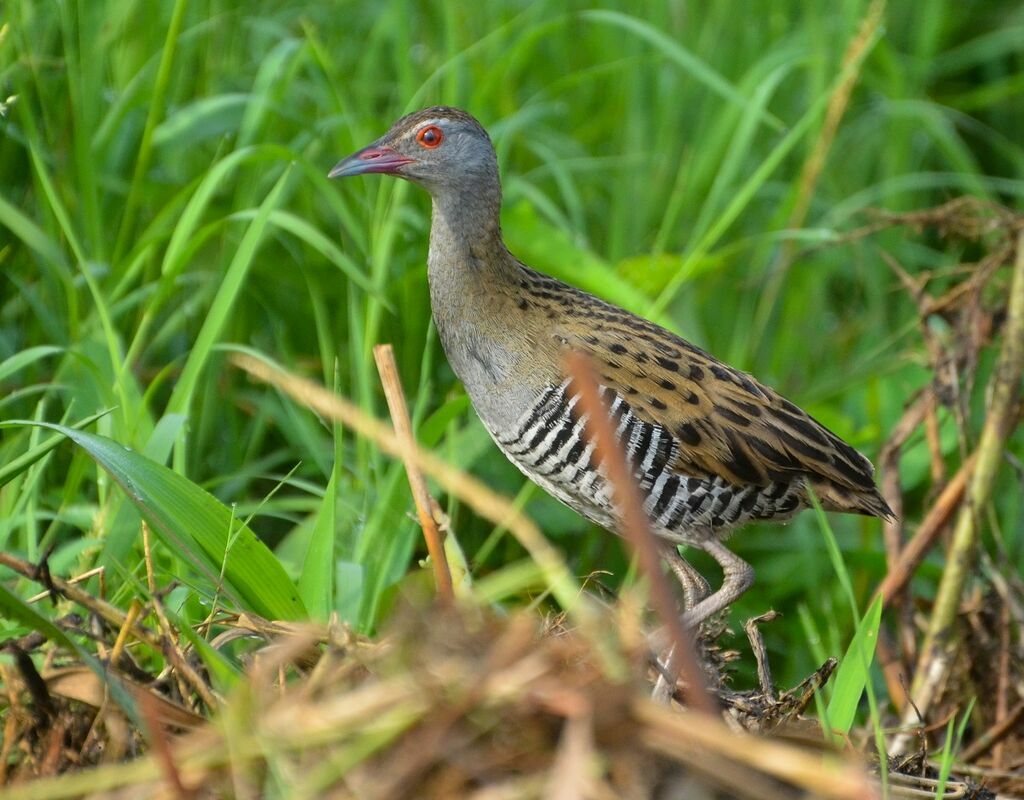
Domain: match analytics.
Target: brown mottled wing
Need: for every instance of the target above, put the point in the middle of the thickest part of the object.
(726, 423)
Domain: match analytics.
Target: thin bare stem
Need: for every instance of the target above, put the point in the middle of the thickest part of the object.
(392, 383)
(107, 612)
(917, 548)
(636, 528)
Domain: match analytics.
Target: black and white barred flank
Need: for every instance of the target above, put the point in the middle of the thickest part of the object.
(550, 445)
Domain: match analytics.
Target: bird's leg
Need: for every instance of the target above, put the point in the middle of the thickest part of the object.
(695, 588)
(737, 577)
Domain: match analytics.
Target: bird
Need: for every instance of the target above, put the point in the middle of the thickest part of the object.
(710, 446)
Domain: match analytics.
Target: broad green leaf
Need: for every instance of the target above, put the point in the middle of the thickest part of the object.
(854, 671)
(165, 432)
(694, 65)
(300, 228)
(196, 526)
(15, 467)
(203, 119)
(316, 582)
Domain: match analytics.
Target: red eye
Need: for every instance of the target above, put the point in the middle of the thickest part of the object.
(430, 136)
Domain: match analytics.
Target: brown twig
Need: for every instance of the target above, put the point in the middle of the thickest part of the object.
(101, 608)
(184, 673)
(889, 464)
(927, 534)
(392, 383)
(994, 735)
(934, 661)
(893, 670)
(84, 576)
(636, 529)
(757, 645)
(1003, 685)
(134, 612)
(898, 658)
(931, 431)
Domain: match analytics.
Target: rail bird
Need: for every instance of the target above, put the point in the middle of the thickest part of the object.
(711, 447)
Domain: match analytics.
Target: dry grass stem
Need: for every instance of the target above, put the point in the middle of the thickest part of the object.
(455, 710)
(853, 59)
(681, 735)
(927, 534)
(637, 530)
(392, 383)
(104, 610)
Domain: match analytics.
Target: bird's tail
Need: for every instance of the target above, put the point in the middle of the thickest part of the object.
(852, 501)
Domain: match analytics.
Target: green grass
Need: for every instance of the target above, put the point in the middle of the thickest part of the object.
(164, 201)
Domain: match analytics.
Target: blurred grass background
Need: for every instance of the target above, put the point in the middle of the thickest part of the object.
(163, 200)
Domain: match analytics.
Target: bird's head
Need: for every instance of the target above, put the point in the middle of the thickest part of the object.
(442, 149)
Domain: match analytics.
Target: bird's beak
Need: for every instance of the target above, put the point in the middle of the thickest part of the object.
(375, 158)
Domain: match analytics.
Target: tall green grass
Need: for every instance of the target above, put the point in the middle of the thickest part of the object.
(164, 199)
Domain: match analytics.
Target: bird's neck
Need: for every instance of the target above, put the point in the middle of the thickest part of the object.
(463, 222)
(473, 280)
(467, 252)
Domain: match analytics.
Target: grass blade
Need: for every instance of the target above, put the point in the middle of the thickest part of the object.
(195, 525)
(854, 671)
(698, 68)
(216, 318)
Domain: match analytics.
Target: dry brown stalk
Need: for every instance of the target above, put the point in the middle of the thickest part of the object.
(889, 464)
(83, 576)
(994, 735)
(134, 611)
(184, 673)
(101, 608)
(392, 383)
(893, 670)
(1003, 685)
(936, 654)
(893, 536)
(853, 58)
(917, 548)
(637, 530)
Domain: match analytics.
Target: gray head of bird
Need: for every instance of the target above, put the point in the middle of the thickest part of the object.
(444, 150)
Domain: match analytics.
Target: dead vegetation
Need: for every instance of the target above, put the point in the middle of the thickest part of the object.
(453, 701)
